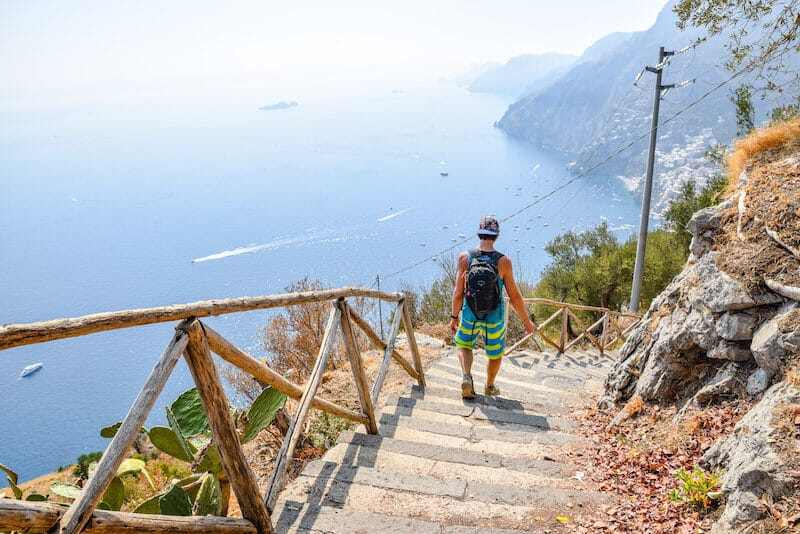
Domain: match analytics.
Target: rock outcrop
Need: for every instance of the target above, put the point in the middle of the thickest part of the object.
(755, 458)
(721, 330)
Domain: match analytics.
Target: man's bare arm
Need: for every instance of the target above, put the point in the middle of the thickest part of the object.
(514, 294)
(458, 292)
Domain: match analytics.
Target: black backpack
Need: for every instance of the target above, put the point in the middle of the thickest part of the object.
(482, 287)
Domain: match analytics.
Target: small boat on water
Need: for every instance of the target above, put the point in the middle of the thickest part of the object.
(30, 369)
(443, 173)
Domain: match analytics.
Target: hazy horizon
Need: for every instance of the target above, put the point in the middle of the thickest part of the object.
(54, 53)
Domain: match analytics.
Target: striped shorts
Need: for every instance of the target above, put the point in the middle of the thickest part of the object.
(492, 329)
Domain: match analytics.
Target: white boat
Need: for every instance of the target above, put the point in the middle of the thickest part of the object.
(30, 369)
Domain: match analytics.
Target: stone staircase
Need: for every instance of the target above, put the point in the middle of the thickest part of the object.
(446, 466)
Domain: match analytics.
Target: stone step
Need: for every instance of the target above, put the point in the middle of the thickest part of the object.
(538, 371)
(534, 450)
(563, 400)
(300, 519)
(484, 413)
(388, 461)
(386, 479)
(321, 473)
(535, 373)
(534, 509)
(452, 393)
(518, 387)
(474, 429)
(572, 361)
(544, 378)
(477, 431)
(368, 445)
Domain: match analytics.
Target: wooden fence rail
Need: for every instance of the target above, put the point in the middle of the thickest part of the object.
(608, 323)
(195, 341)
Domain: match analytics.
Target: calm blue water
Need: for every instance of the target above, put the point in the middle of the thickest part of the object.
(105, 207)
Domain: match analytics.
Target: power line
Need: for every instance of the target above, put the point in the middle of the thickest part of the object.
(580, 175)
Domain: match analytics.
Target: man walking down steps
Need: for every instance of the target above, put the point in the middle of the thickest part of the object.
(478, 299)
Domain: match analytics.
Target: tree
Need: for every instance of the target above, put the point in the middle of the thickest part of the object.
(745, 112)
(761, 34)
(293, 338)
(688, 201)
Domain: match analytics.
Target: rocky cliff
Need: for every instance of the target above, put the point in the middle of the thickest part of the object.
(594, 107)
(729, 326)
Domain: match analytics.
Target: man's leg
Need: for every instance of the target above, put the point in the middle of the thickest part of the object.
(467, 385)
(465, 356)
(465, 341)
(492, 368)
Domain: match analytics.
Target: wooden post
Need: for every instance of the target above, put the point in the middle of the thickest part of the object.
(604, 333)
(223, 431)
(585, 332)
(564, 329)
(286, 453)
(261, 372)
(355, 364)
(80, 511)
(387, 355)
(379, 344)
(412, 345)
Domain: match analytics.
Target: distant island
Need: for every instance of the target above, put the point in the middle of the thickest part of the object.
(279, 105)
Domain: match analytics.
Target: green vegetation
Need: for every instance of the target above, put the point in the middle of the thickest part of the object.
(187, 476)
(593, 267)
(697, 488)
(762, 35)
(745, 111)
(689, 201)
(81, 469)
(324, 430)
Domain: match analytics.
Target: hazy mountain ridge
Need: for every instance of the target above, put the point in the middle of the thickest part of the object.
(594, 108)
(522, 75)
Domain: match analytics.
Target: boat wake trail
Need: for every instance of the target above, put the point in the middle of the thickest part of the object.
(393, 215)
(249, 249)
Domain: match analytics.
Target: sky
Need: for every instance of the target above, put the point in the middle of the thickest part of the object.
(50, 47)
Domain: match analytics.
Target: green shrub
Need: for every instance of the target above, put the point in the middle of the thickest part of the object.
(324, 430)
(81, 469)
(689, 200)
(697, 488)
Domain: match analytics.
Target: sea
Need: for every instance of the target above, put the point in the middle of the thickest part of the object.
(126, 203)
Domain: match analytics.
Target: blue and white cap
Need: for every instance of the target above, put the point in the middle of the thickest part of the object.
(489, 226)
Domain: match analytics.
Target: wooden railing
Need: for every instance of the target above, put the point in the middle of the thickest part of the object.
(602, 333)
(195, 341)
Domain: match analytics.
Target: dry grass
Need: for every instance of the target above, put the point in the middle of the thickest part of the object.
(772, 201)
(758, 142)
(634, 406)
(793, 377)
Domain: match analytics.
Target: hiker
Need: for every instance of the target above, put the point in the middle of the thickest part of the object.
(478, 298)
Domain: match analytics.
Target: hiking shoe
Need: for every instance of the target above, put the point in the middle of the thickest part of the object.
(491, 391)
(467, 389)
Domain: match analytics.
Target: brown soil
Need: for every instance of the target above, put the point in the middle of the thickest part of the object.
(791, 322)
(638, 460)
(772, 200)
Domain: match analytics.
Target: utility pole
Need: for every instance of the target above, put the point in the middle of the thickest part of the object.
(641, 244)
